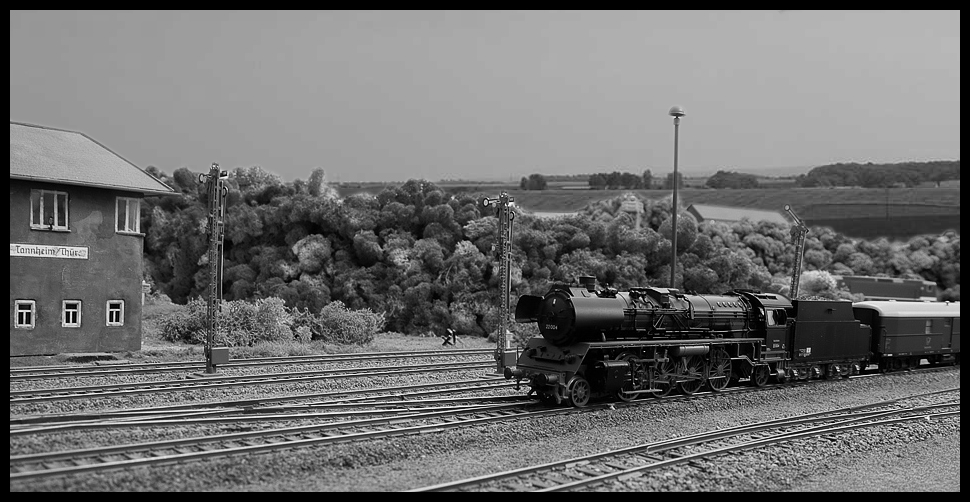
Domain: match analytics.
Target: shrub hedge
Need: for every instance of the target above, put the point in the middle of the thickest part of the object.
(244, 324)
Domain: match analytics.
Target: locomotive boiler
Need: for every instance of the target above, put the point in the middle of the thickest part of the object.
(569, 314)
(651, 341)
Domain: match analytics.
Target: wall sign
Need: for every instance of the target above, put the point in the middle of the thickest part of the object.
(42, 251)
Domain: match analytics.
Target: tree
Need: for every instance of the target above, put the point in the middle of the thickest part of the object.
(317, 182)
(581, 262)
(647, 179)
(185, 180)
(534, 182)
(686, 231)
(725, 179)
(367, 248)
(669, 182)
(630, 181)
(260, 186)
(819, 283)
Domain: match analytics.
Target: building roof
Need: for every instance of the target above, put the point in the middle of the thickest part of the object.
(727, 213)
(911, 309)
(51, 155)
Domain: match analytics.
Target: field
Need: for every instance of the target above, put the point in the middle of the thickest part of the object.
(896, 213)
(803, 200)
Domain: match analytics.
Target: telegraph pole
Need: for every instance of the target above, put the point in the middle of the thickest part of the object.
(217, 192)
(505, 217)
(676, 112)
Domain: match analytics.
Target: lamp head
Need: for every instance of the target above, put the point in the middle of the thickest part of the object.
(676, 111)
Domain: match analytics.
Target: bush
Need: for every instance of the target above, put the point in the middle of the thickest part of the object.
(338, 324)
(272, 320)
(304, 324)
(185, 324)
(951, 294)
(245, 324)
(241, 324)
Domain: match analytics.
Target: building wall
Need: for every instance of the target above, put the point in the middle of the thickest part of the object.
(112, 271)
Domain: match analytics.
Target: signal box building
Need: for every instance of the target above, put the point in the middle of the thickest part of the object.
(76, 245)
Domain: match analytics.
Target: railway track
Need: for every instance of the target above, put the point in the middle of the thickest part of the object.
(397, 421)
(334, 399)
(292, 408)
(585, 471)
(126, 368)
(212, 382)
(36, 466)
(597, 469)
(226, 417)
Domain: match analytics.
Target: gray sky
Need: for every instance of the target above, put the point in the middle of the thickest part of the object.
(395, 95)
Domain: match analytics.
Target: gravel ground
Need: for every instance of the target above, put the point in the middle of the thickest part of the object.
(923, 456)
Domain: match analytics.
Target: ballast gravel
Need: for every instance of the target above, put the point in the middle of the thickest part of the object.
(914, 456)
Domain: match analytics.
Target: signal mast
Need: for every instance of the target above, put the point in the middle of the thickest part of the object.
(798, 232)
(505, 217)
(218, 193)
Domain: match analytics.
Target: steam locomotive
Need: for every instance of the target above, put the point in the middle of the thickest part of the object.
(651, 341)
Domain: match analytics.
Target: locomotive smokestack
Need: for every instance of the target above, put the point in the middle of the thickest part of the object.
(588, 282)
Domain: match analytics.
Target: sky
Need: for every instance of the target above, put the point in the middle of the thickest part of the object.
(493, 95)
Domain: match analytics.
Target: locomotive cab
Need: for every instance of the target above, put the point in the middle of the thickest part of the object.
(774, 311)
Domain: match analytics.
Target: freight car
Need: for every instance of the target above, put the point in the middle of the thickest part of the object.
(650, 341)
(889, 288)
(903, 333)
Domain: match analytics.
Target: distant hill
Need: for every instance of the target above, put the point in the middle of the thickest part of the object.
(700, 173)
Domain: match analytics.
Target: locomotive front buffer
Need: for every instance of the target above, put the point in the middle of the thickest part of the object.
(551, 372)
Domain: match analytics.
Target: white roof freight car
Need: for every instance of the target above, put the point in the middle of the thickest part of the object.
(912, 309)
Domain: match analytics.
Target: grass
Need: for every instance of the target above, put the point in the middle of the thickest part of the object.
(155, 348)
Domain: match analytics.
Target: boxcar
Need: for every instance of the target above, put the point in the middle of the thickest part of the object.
(903, 333)
(889, 288)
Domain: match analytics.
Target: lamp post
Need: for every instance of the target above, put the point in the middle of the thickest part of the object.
(676, 112)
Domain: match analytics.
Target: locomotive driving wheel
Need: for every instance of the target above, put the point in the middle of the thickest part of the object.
(663, 378)
(696, 370)
(759, 377)
(578, 391)
(719, 375)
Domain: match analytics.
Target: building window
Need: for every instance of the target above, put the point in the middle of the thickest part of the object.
(116, 313)
(127, 215)
(48, 210)
(26, 312)
(71, 314)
